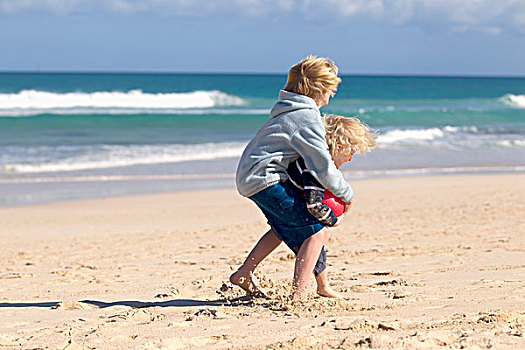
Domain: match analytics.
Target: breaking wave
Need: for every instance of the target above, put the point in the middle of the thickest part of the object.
(516, 101)
(30, 101)
(71, 158)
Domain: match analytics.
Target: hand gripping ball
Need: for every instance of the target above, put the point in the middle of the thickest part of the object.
(334, 203)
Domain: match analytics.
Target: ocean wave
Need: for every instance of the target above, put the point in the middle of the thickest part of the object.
(410, 135)
(416, 106)
(394, 136)
(450, 137)
(133, 99)
(516, 101)
(72, 158)
(511, 143)
(53, 159)
(129, 111)
(96, 178)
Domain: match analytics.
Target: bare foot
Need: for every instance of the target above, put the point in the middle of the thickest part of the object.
(246, 283)
(329, 293)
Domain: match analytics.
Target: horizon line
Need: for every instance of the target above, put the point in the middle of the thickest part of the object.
(140, 72)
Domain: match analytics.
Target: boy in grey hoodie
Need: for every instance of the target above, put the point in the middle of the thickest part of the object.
(294, 130)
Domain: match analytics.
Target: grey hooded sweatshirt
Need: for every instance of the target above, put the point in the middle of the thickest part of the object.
(294, 130)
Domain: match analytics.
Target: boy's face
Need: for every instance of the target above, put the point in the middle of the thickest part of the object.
(323, 99)
(341, 156)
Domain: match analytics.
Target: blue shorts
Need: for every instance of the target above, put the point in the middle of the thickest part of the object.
(285, 209)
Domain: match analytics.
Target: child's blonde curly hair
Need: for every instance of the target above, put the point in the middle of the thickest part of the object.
(349, 134)
(313, 77)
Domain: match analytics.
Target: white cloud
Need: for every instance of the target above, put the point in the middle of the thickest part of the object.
(465, 15)
(53, 6)
(489, 16)
(402, 11)
(355, 7)
(518, 16)
(127, 7)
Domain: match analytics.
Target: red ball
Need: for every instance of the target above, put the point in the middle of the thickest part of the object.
(334, 203)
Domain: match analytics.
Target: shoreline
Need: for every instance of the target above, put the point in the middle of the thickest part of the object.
(101, 185)
(424, 261)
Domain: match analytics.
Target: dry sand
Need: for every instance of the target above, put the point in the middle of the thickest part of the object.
(425, 262)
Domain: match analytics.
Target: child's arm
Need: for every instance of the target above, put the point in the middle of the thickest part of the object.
(309, 141)
(314, 194)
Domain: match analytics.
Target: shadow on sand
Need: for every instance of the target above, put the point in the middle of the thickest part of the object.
(143, 304)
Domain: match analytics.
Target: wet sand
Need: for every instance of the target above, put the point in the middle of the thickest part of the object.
(424, 262)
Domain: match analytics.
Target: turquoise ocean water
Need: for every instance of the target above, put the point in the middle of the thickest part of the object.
(71, 136)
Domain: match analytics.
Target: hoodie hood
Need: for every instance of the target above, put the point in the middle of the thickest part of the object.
(290, 101)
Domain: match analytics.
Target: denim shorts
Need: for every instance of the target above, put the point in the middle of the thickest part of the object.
(285, 209)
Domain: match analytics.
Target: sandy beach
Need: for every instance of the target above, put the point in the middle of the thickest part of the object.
(424, 262)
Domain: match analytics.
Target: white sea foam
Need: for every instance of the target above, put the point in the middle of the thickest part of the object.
(18, 112)
(111, 156)
(410, 135)
(133, 99)
(449, 137)
(517, 101)
(96, 178)
(53, 159)
(511, 143)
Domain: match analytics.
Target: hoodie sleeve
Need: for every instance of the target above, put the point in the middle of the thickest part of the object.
(313, 194)
(309, 141)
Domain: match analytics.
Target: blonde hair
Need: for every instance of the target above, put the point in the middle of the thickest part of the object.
(348, 133)
(313, 77)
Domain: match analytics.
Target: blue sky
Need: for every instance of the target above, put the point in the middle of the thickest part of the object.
(443, 37)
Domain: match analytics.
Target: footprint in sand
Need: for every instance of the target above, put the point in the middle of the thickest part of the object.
(357, 289)
(167, 295)
(401, 294)
(204, 313)
(14, 275)
(140, 316)
(143, 316)
(180, 343)
(398, 282)
(358, 325)
(380, 273)
(377, 341)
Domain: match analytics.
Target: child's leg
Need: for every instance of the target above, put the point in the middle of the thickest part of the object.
(323, 287)
(305, 261)
(243, 276)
